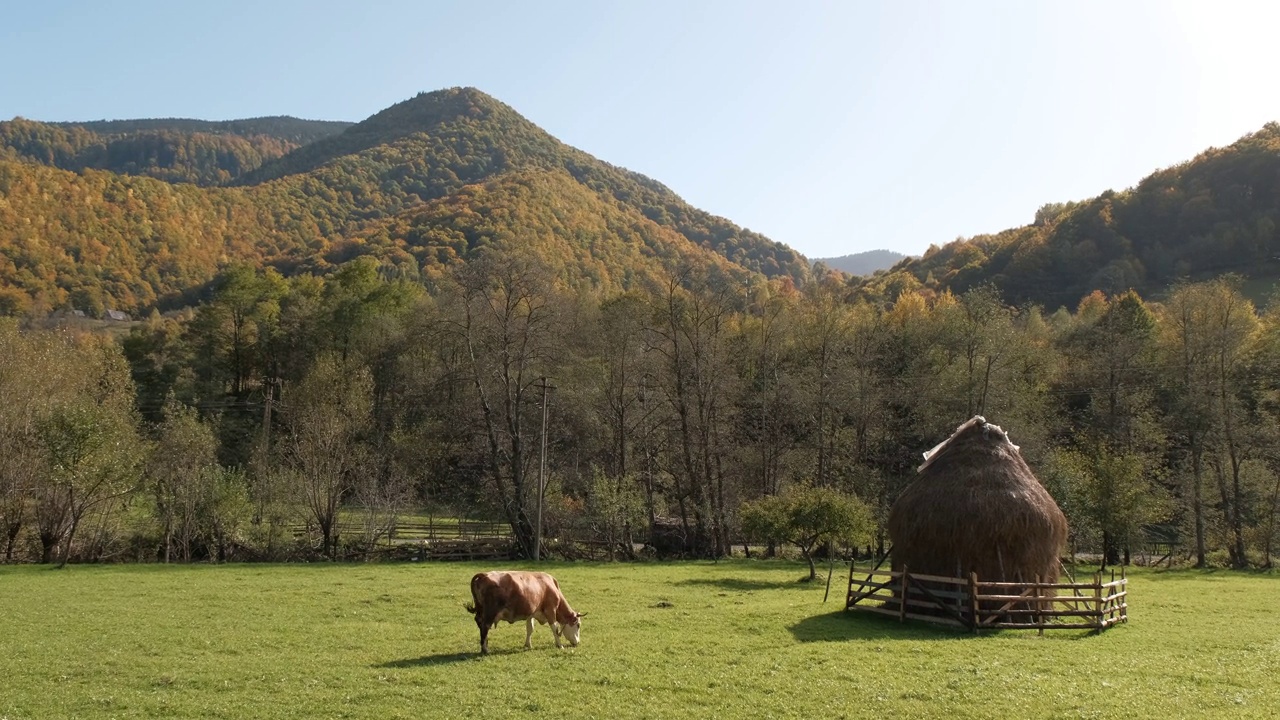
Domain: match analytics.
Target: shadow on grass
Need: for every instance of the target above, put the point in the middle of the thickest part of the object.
(747, 585)
(429, 660)
(841, 625)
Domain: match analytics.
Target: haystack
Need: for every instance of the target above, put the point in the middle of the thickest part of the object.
(975, 506)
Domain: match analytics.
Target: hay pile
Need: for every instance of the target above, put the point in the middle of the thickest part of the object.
(975, 506)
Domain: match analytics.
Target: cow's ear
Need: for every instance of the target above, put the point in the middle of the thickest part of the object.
(582, 614)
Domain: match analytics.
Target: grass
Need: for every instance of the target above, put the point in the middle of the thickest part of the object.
(690, 640)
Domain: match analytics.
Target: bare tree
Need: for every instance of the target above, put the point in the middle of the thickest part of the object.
(1207, 332)
(689, 334)
(327, 415)
(506, 327)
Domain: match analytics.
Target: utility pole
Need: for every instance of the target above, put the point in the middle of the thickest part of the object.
(266, 415)
(542, 471)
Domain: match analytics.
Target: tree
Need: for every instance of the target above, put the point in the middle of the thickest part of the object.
(245, 304)
(978, 333)
(327, 415)
(182, 462)
(1233, 330)
(621, 350)
(29, 384)
(614, 506)
(1112, 490)
(1108, 380)
(691, 321)
(807, 516)
(91, 446)
(505, 323)
(1208, 332)
(224, 510)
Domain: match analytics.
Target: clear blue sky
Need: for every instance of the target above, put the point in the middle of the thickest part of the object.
(834, 127)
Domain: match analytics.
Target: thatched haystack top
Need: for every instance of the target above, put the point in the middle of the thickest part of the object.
(975, 506)
(990, 432)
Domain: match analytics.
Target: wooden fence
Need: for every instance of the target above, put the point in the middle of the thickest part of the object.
(417, 531)
(455, 530)
(446, 538)
(977, 604)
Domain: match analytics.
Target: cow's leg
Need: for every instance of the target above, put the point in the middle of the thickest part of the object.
(528, 633)
(485, 623)
(555, 629)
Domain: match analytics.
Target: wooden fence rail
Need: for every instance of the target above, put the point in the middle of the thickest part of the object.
(976, 604)
(416, 531)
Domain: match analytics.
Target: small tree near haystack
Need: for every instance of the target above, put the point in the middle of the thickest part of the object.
(806, 516)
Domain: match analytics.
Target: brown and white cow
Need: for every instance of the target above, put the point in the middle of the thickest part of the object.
(518, 595)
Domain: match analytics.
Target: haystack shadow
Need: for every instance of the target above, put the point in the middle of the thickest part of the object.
(842, 626)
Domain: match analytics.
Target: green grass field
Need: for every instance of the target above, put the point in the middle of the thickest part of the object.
(688, 640)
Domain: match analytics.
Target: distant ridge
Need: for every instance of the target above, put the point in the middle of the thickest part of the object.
(170, 149)
(863, 263)
(283, 127)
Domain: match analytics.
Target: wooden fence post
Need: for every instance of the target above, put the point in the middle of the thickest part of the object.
(1039, 608)
(1124, 607)
(902, 606)
(1112, 610)
(973, 601)
(1097, 600)
(853, 560)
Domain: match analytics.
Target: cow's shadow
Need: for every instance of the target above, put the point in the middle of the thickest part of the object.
(429, 660)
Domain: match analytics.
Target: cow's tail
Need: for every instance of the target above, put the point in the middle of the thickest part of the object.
(471, 606)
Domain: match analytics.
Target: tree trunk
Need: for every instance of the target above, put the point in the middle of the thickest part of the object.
(66, 546)
(807, 551)
(1271, 524)
(1110, 549)
(47, 544)
(11, 536)
(1197, 503)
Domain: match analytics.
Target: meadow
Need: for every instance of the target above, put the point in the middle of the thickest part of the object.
(738, 638)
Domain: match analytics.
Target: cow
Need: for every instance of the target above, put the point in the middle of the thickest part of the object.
(519, 595)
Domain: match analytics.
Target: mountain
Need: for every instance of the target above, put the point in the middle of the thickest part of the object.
(1217, 213)
(176, 150)
(863, 263)
(432, 145)
(420, 187)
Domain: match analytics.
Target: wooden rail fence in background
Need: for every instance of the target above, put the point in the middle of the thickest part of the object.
(977, 604)
(446, 539)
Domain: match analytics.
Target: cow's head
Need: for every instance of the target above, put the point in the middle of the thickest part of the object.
(573, 629)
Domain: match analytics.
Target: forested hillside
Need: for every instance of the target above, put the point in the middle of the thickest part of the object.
(434, 144)
(1215, 214)
(419, 186)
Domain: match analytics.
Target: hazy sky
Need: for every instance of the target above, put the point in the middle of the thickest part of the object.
(834, 127)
